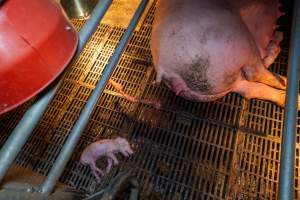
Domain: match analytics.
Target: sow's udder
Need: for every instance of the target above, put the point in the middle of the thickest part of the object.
(193, 81)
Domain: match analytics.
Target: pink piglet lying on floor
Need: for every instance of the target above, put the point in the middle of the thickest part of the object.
(108, 148)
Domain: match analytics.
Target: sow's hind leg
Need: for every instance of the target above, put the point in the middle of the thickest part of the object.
(255, 90)
(258, 73)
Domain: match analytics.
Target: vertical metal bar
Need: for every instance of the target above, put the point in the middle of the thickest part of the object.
(31, 118)
(91, 25)
(86, 112)
(287, 158)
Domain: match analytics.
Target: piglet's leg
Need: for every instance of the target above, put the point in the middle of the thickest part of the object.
(256, 90)
(115, 84)
(119, 88)
(96, 171)
(124, 153)
(109, 165)
(113, 157)
(99, 171)
(96, 175)
(132, 99)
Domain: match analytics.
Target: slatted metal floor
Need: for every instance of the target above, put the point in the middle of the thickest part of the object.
(227, 149)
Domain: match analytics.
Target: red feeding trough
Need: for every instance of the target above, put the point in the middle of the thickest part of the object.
(36, 43)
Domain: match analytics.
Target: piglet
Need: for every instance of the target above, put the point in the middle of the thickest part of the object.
(119, 88)
(107, 147)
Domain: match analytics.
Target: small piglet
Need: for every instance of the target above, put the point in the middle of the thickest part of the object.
(108, 148)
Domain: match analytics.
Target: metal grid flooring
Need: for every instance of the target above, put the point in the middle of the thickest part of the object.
(227, 149)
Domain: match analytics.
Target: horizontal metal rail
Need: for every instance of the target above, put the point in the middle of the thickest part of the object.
(74, 136)
(287, 158)
(31, 118)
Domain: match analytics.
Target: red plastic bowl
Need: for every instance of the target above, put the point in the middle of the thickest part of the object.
(36, 43)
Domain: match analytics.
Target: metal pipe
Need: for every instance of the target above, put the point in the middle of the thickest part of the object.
(67, 150)
(91, 25)
(287, 158)
(31, 118)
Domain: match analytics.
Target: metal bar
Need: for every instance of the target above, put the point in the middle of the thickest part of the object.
(91, 25)
(86, 112)
(31, 118)
(287, 158)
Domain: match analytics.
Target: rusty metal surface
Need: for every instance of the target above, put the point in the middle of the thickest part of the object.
(121, 12)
